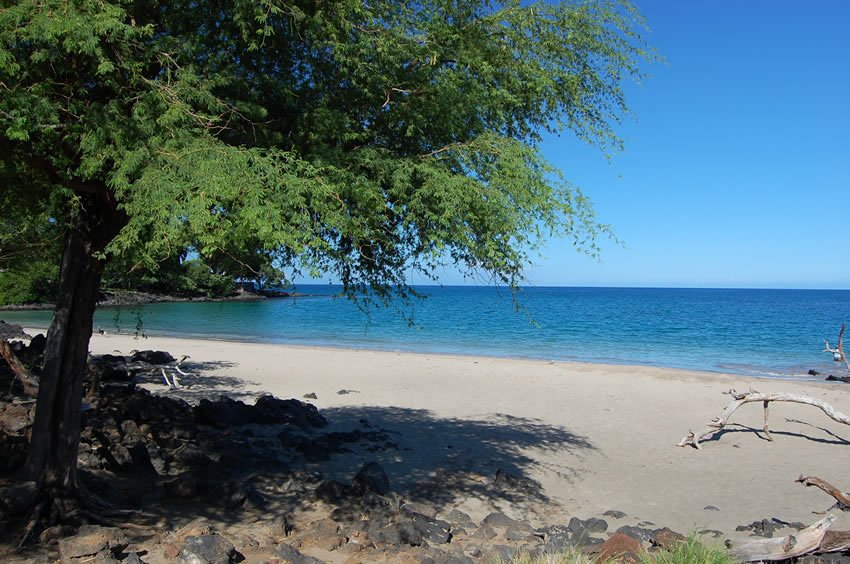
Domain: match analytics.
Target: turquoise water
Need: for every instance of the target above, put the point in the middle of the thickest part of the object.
(775, 333)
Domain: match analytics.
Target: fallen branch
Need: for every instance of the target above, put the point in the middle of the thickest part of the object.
(781, 548)
(838, 352)
(842, 498)
(146, 367)
(835, 541)
(719, 422)
(28, 381)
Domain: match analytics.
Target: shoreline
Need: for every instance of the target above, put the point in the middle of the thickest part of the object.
(802, 378)
(593, 437)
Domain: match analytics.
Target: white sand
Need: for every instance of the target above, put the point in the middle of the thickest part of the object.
(596, 437)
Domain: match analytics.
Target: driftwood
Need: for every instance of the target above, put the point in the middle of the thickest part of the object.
(173, 383)
(719, 422)
(835, 541)
(842, 498)
(790, 546)
(28, 381)
(838, 352)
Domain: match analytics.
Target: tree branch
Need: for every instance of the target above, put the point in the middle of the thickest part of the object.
(842, 498)
(28, 381)
(719, 422)
(838, 352)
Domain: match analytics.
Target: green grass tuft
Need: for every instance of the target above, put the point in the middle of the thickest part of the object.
(693, 550)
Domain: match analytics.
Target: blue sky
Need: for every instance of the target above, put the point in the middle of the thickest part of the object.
(736, 167)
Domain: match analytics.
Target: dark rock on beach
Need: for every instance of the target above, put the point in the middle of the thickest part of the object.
(499, 520)
(267, 410)
(640, 533)
(91, 540)
(152, 357)
(844, 379)
(207, 549)
(509, 483)
(372, 478)
(290, 555)
(9, 331)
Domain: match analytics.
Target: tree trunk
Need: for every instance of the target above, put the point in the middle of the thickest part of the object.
(52, 459)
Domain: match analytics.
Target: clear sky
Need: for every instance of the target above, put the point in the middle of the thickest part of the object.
(736, 167)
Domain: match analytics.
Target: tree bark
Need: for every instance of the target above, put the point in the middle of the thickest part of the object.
(52, 458)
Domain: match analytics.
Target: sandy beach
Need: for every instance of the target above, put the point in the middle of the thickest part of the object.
(594, 437)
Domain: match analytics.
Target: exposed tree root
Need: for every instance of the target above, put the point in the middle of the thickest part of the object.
(49, 509)
(719, 422)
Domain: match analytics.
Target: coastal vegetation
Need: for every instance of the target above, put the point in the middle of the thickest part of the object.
(360, 140)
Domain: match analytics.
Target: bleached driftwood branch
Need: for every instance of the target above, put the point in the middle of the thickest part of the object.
(172, 383)
(719, 422)
(835, 541)
(838, 352)
(842, 498)
(803, 542)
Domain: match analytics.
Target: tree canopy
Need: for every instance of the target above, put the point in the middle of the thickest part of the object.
(359, 139)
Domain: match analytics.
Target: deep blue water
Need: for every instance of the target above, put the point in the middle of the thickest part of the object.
(775, 333)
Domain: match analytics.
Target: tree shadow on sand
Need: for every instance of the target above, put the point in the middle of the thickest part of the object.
(440, 460)
(202, 380)
(428, 459)
(736, 428)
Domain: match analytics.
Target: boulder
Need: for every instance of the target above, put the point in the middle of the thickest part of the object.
(224, 413)
(497, 519)
(639, 533)
(592, 525)
(556, 537)
(400, 533)
(665, 538)
(372, 478)
(845, 379)
(421, 508)
(484, 533)
(335, 492)
(764, 528)
(621, 547)
(519, 534)
(432, 530)
(286, 554)
(243, 496)
(305, 416)
(31, 354)
(91, 540)
(207, 549)
(14, 418)
(457, 516)
(9, 331)
(152, 357)
(509, 483)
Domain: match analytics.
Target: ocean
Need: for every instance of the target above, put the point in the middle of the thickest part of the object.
(765, 333)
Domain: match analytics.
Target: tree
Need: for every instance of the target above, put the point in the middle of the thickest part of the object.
(359, 139)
